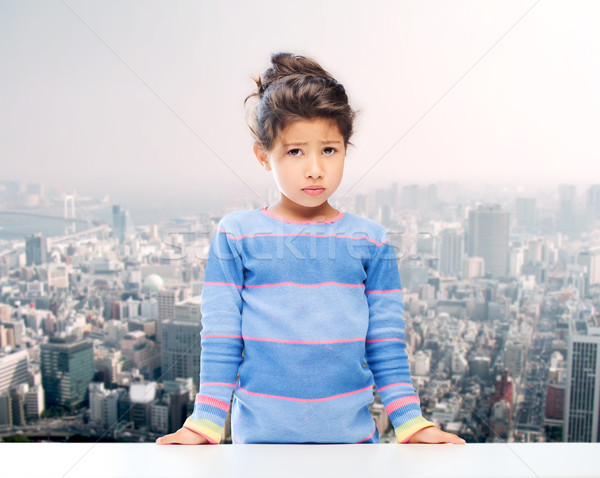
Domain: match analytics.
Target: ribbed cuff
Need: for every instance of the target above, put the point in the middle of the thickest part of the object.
(409, 428)
(209, 430)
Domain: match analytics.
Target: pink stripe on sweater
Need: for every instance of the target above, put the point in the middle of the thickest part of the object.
(283, 341)
(304, 342)
(218, 384)
(234, 439)
(365, 439)
(385, 340)
(295, 284)
(402, 402)
(304, 400)
(400, 384)
(212, 401)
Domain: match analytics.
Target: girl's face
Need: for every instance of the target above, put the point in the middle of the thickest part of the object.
(308, 154)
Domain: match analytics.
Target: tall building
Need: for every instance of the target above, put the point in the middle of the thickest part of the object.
(122, 223)
(179, 393)
(4, 267)
(13, 369)
(159, 416)
(451, 252)
(17, 397)
(142, 395)
(516, 259)
(525, 212)
(180, 342)
(36, 249)
(473, 267)
(108, 365)
(166, 304)
(67, 369)
(590, 258)
(5, 312)
(34, 401)
(566, 208)
(582, 394)
(385, 214)
(555, 402)
(488, 238)
(592, 204)
(514, 357)
(55, 276)
(5, 409)
(103, 405)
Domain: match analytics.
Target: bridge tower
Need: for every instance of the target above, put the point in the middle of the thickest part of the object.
(70, 213)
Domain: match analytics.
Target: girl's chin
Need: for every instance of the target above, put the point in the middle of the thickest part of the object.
(308, 201)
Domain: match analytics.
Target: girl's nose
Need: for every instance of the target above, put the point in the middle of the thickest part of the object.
(314, 167)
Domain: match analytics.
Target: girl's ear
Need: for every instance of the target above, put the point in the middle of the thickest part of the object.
(262, 156)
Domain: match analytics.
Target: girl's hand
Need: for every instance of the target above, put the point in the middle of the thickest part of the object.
(435, 435)
(183, 436)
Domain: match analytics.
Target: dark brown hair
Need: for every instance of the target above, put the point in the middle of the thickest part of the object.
(295, 88)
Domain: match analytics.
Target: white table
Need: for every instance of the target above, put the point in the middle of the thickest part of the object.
(41, 460)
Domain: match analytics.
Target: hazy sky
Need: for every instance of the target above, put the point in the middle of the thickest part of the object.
(146, 98)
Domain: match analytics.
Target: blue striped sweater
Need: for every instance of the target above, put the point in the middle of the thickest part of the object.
(299, 321)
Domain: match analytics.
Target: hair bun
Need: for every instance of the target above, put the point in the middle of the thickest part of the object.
(288, 65)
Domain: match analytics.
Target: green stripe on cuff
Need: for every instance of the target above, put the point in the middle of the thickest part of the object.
(205, 427)
(409, 428)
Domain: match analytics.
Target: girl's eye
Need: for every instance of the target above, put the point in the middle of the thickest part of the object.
(329, 148)
(293, 152)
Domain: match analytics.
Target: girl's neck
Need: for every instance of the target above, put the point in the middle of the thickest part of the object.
(293, 212)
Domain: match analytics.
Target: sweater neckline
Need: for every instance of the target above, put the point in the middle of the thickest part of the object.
(290, 221)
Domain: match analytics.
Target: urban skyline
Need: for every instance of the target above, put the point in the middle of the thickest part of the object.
(489, 349)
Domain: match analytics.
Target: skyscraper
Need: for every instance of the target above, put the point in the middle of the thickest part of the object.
(592, 204)
(179, 393)
(36, 249)
(525, 212)
(166, 299)
(180, 339)
(451, 251)
(122, 223)
(67, 369)
(488, 238)
(590, 258)
(13, 369)
(566, 208)
(582, 394)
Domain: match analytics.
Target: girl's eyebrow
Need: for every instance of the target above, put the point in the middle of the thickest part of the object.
(327, 141)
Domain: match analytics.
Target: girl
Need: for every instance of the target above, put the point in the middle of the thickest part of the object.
(302, 307)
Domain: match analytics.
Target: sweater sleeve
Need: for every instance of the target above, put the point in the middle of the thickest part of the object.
(221, 336)
(385, 347)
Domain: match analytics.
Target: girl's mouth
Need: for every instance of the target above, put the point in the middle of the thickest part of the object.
(313, 192)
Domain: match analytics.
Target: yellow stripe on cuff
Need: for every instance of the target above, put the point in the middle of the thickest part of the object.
(205, 427)
(406, 430)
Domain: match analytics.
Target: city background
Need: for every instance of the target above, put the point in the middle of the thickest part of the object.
(100, 318)
(123, 140)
